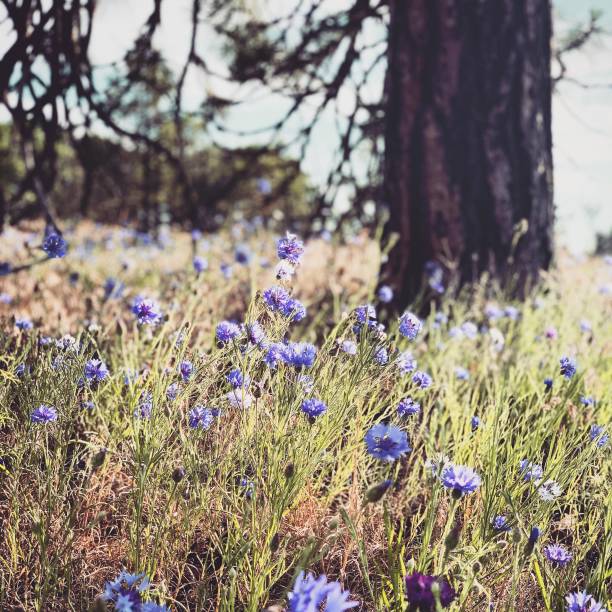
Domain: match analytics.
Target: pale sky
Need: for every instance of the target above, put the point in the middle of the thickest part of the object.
(582, 118)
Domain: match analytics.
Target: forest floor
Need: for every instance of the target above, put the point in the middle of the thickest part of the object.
(221, 460)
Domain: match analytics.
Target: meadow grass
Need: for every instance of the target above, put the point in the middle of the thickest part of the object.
(225, 518)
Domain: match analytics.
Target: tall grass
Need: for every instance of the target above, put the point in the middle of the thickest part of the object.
(224, 519)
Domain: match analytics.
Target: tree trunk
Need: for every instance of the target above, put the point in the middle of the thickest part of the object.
(468, 160)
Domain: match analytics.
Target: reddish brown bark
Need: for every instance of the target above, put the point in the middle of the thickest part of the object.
(468, 138)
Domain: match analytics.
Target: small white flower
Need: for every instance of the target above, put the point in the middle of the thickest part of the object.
(549, 490)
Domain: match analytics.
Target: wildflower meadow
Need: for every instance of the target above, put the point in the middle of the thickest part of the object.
(239, 421)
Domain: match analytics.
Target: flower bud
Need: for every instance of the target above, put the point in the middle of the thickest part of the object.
(178, 474)
(376, 492)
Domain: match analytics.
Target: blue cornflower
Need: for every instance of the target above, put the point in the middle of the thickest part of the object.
(461, 479)
(5, 268)
(548, 384)
(196, 234)
(475, 423)
(43, 414)
(408, 407)
(242, 254)
(493, 312)
(172, 391)
(365, 313)
(381, 356)
(440, 319)
(264, 186)
(461, 373)
(568, 367)
(422, 380)
(276, 297)
(581, 601)
(291, 248)
(275, 353)
(23, 324)
(21, 370)
(313, 407)
(87, 405)
(385, 294)
(227, 331)
(54, 246)
(113, 288)
(294, 310)
(239, 398)
(200, 418)
(226, 270)
(469, 329)
(306, 382)
(598, 435)
(410, 325)
(534, 534)
(406, 362)
(500, 523)
(530, 471)
(186, 370)
(511, 312)
(199, 264)
(126, 594)
(309, 593)
(587, 400)
(237, 379)
(386, 442)
(95, 370)
(146, 310)
(558, 555)
(300, 354)
(349, 347)
(255, 333)
(248, 486)
(145, 406)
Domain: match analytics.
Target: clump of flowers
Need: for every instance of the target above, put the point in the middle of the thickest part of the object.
(386, 442)
(310, 594)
